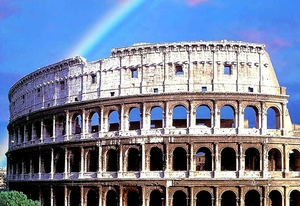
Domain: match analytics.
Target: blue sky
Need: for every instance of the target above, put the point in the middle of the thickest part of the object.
(35, 33)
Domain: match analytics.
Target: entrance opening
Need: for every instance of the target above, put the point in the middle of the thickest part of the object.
(92, 164)
(59, 161)
(74, 161)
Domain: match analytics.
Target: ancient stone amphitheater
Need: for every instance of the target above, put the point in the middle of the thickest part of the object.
(173, 124)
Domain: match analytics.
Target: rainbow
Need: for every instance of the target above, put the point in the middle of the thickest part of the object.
(104, 26)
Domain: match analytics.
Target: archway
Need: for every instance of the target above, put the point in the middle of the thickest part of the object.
(252, 198)
(228, 159)
(180, 198)
(179, 117)
(92, 198)
(179, 159)
(203, 199)
(203, 159)
(252, 159)
(228, 199)
(156, 198)
(156, 159)
(275, 198)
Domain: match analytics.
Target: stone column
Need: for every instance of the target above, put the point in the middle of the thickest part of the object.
(123, 119)
(192, 115)
(40, 165)
(240, 117)
(84, 126)
(66, 164)
(264, 158)
(241, 161)
(102, 122)
(81, 196)
(100, 169)
(52, 164)
(100, 196)
(81, 162)
(121, 166)
(121, 196)
(42, 131)
(217, 199)
(263, 119)
(67, 124)
(216, 113)
(192, 198)
(217, 157)
(66, 195)
(166, 118)
(192, 159)
(54, 128)
(143, 157)
(51, 196)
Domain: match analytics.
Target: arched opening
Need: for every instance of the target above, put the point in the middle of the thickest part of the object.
(112, 198)
(133, 160)
(60, 126)
(134, 119)
(74, 197)
(294, 160)
(26, 161)
(227, 117)
(94, 122)
(59, 198)
(179, 198)
(133, 198)
(112, 160)
(46, 197)
(252, 159)
(156, 159)
(203, 199)
(113, 121)
(156, 117)
(203, 116)
(273, 118)
(37, 128)
(46, 161)
(179, 159)
(59, 161)
(228, 159)
(252, 198)
(74, 161)
(228, 198)
(250, 117)
(77, 124)
(156, 198)
(35, 163)
(48, 125)
(275, 198)
(92, 198)
(295, 198)
(179, 117)
(203, 159)
(274, 157)
(29, 131)
(92, 164)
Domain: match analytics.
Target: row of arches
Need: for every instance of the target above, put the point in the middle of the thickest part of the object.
(155, 158)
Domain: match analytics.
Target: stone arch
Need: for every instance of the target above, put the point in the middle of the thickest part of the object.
(179, 198)
(156, 117)
(179, 159)
(203, 116)
(92, 198)
(133, 198)
(156, 159)
(94, 122)
(294, 160)
(179, 116)
(92, 161)
(58, 198)
(275, 198)
(77, 124)
(228, 198)
(227, 116)
(203, 198)
(274, 158)
(228, 159)
(45, 197)
(295, 198)
(273, 117)
(59, 160)
(46, 161)
(112, 160)
(133, 159)
(203, 159)
(156, 198)
(74, 198)
(74, 160)
(252, 159)
(252, 197)
(112, 198)
(113, 120)
(251, 117)
(134, 118)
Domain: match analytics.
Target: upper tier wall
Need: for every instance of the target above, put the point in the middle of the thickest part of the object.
(149, 68)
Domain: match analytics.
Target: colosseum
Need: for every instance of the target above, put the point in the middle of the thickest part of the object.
(171, 124)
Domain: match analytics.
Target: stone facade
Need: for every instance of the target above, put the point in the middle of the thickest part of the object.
(188, 123)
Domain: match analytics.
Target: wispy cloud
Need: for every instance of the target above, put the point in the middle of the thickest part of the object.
(7, 9)
(195, 2)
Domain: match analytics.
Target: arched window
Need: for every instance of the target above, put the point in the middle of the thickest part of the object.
(92, 198)
(227, 117)
(134, 119)
(295, 198)
(275, 198)
(45, 194)
(92, 158)
(58, 196)
(252, 159)
(77, 124)
(156, 159)
(273, 118)
(156, 198)
(112, 160)
(203, 116)
(133, 198)
(252, 198)
(74, 161)
(179, 198)
(294, 160)
(133, 160)
(274, 157)
(112, 198)
(179, 117)
(113, 121)
(179, 159)
(75, 197)
(228, 198)
(203, 159)
(156, 117)
(94, 122)
(46, 161)
(59, 161)
(203, 198)
(250, 117)
(228, 159)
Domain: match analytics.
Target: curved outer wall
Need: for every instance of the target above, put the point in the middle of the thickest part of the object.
(155, 124)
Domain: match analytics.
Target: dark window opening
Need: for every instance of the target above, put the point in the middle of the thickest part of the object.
(35, 163)
(179, 70)
(133, 161)
(228, 198)
(295, 198)
(179, 199)
(29, 132)
(92, 161)
(275, 198)
(76, 99)
(48, 125)
(252, 159)
(75, 197)
(228, 160)
(46, 198)
(74, 161)
(156, 159)
(294, 160)
(204, 89)
(274, 157)
(156, 198)
(94, 78)
(203, 198)
(252, 198)
(155, 90)
(38, 92)
(112, 161)
(133, 198)
(46, 162)
(250, 89)
(203, 159)
(92, 198)
(112, 94)
(27, 165)
(112, 198)
(227, 70)
(59, 161)
(134, 73)
(62, 85)
(37, 127)
(179, 159)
